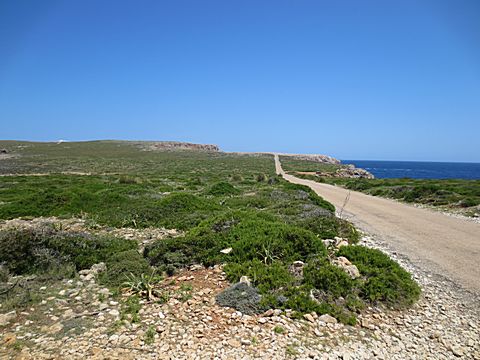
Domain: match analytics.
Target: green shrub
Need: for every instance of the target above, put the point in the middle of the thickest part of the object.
(17, 250)
(271, 241)
(265, 277)
(27, 251)
(261, 177)
(130, 310)
(223, 188)
(330, 227)
(328, 278)
(124, 264)
(125, 179)
(175, 253)
(251, 235)
(302, 303)
(469, 202)
(4, 274)
(311, 194)
(84, 249)
(386, 281)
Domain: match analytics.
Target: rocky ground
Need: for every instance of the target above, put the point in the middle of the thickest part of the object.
(79, 319)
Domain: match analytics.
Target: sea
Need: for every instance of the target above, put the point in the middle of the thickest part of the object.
(418, 169)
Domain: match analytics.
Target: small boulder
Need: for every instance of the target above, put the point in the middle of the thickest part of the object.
(328, 319)
(347, 266)
(342, 243)
(246, 280)
(309, 317)
(226, 251)
(352, 271)
(55, 328)
(5, 319)
(98, 268)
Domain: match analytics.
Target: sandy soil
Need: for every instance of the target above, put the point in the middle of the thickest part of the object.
(441, 244)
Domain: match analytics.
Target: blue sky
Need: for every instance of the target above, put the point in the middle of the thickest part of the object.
(395, 80)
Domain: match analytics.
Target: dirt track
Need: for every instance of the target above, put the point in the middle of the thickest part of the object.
(439, 243)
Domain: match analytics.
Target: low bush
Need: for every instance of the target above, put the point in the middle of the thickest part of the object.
(222, 188)
(28, 251)
(251, 236)
(124, 264)
(265, 277)
(242, 297)
(84, 249)
(328, 227)
(312, 195)
(386, 281)
(328, 278)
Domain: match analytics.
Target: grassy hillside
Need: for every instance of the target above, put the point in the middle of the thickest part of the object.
(220, 201)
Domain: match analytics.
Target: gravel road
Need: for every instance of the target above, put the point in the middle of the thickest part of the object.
(444, 245)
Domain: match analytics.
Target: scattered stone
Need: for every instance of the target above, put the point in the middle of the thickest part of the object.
(246, 280)
(55, 328)
(196, 267)
(347, 266)
(327, 319)
(457, 351)
(262, 320)
(98, 268)
(5, 319)
(296, 269)
(246, 342)
(309, 317)
(269, 313)
(442, 325)
(114, 312)
(226, 251)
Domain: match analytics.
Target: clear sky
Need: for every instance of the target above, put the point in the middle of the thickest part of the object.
(385, 79)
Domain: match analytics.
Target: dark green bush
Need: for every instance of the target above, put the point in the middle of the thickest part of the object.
(301, 302)
(123, 264)
(17, 250)
(266, 277)
(386, 281)
(311, 194)
(328, 278)
(84, 249)
(251, 235)
(261, 178)
(27, 251)
(271, 241)
(223, 188)
(173, 253)
(330, 227)
(4, 274)
(468, 202)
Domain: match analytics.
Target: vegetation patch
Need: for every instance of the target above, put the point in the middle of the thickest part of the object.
(223, 188)
(233, 209)
(43, 250)
(386, 281)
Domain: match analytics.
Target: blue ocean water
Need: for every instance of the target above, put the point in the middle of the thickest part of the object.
(418, 169)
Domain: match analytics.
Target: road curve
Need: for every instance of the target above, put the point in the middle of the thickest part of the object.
(439, 243)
